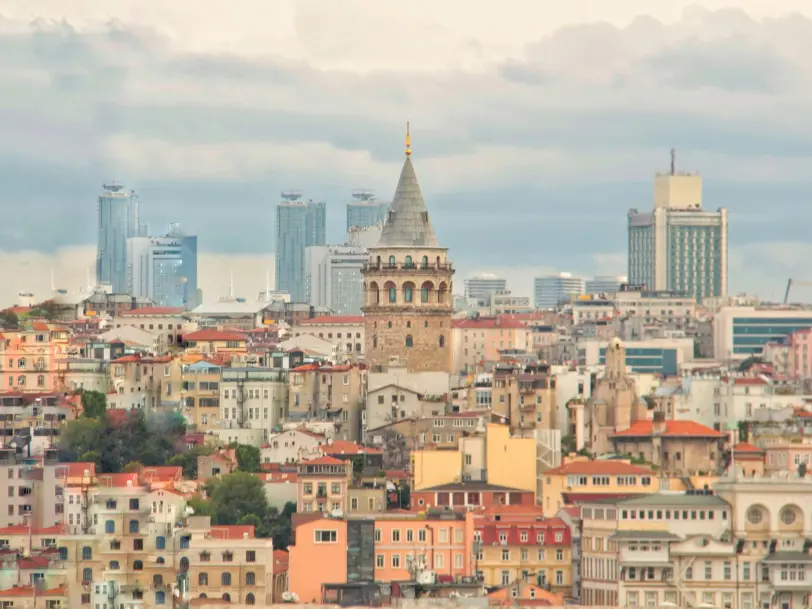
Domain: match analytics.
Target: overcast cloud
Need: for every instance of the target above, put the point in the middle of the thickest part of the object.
(531, 138)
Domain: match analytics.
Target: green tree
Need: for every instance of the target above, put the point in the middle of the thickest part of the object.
(251, 520)
(94, 403)
(132, 467)
(79, 437)
(278, 526)
(248, 458)
(91, 456)
(46, 310)
(9, 320)
(200, 506)
(237, 495)
(188, 460)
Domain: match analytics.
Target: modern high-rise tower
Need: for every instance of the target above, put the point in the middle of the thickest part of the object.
(679, 246)
(299, 224)
(164, 269)
(119, 219)
(365, 210)
(407, 286)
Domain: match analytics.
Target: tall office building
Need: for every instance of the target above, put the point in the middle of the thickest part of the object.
(333, 278)
(679, 246)
(365, 210)
(605, 284)
(483, 285)
(119, 219)
(164, 269)
(552, 290)
(299, 224)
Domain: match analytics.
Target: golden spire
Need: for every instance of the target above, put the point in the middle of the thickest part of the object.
(408, 141)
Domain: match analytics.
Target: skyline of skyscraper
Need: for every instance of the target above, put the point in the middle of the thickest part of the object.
(118, 220)
(333, 278)
(679, 246)
(164, 269)
(300, 223)
(365, 211)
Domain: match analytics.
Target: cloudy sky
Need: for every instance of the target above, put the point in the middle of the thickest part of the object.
(536, 125)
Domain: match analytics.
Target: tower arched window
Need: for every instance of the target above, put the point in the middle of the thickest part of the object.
(374, 342)
(408, 263)
(424, 263)
(408, 291)
(409, 341)
(393, 294)
(425, 291)
(391, 262)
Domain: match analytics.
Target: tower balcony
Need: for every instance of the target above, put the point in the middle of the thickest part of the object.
(397, 267)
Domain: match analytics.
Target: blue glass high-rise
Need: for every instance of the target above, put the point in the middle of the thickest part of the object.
(299, 224)
(118, 217)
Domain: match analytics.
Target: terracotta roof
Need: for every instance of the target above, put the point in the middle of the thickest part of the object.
(77, 470)
(213, 335)
(801, 413)
(29, 591)
(607, 466)
(323, 461)
(533, 510)
(672, 428)
(232, 531)
(333, 319)
(744, 447)
(281, 561)
(119, 480)
(571, 498)
(343, 447)
(307, 368)
(152, 311)
(485, 323)
(397, 474)
(755, 380)
(22, 529)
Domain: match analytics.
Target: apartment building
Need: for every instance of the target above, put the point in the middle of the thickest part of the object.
(145, 382)
(485, 339)
(165, 323)
(200, 383)
(518, 544)
(346, 333)
(323, 485)
(524, 397)
(216, 341)
(252, 403)
(28, 356)
(292, 446)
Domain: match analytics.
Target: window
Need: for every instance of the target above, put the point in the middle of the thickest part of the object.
(421, 535)
(505, 555)
(87, 575)
(134, 526)
(249, 599)
(138, 565)
(377, 535)
(396, 561)
(395, 535)
(109, 527)
(379, 561)
(393, 294)
(559, 578)
(250, 579)
(134, 503)
(160, 597)
(225, 579)
(87, 553)
(326, 536)
(442, 340)
(409, 341)
(114, 565)
(63, 553)
(203, 579)
(160, 543)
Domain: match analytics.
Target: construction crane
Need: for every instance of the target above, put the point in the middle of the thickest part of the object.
(792, 282)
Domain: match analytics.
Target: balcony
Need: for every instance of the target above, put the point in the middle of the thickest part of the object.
(385, 267)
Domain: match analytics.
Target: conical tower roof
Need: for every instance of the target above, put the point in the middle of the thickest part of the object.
(408, 223)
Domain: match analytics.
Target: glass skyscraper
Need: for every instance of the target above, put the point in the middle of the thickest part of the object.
(299, 224)
(333, 278)
(365, 210)
(164, 269)
(679, 246)
(119, 219)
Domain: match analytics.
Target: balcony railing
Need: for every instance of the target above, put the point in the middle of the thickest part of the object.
(408, 268)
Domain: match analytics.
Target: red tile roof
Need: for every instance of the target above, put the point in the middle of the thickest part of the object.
(165, 311)
(581, 497)
(744, 447)
(755, 380)
(323, 461)
(801, 413)
(232, 531)
(22, 529)
(77, 470)
(29, 591)
(333, 319)
(397, 474)
(307, 368)
(119, 480)
(343, 447)
(607, 466)
(685, 429)
(485, 323)
(206, 335)
(281, 561)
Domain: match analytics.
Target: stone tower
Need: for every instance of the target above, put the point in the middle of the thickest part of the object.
(407, 286)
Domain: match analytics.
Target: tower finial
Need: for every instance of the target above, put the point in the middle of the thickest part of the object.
(408, 140)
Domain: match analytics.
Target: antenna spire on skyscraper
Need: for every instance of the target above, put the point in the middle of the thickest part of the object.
(673, 162)
(408, 140)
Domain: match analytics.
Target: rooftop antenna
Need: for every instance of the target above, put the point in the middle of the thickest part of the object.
(673, 162)
(231, 284)
(408, 140)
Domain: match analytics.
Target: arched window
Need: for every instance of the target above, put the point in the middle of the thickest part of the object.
(392, 290)
(408, 324)
(408, 263)
(227, 597)
(40, 363)
(442, 340)
(250, 579)
(138, 565)
(374, 293)
(160, 560)
(87, 575)
(374, 342)
(160, 597)
(160, 542)
(21, 362)
(391, 261)
(409, 341)
(110, 527)
(87, 553)
(225, 579)
(40, 380)
(249, 599)
(408, 291)
(389, 325)
(63, 553)
(203, 579)
(158, 580)
(134, 526)
(114, 565)
(438, 262)
(184, 565)
(425, 291)
(21, 380)
(203, 596)
(424, 263)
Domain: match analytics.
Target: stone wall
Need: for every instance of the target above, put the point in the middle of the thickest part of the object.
(389, 334)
